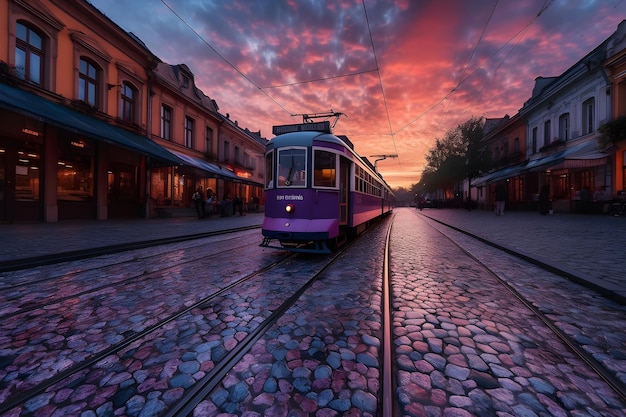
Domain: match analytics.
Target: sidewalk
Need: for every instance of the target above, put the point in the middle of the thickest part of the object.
(19, 241)
(590, 247)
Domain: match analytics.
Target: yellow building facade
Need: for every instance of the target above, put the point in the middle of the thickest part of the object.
(81, 130)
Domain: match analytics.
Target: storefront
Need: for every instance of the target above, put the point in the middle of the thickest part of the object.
(173, 186)
(59, 164)
(21, 164)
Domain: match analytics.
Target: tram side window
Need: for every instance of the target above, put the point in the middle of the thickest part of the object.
(292, 167)
(325, 169)
(269, 170)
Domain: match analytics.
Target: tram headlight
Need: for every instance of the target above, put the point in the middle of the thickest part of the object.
(289, 208)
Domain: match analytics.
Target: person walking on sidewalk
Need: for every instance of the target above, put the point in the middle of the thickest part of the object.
(544, 200)
(500, 199)
(198, 198)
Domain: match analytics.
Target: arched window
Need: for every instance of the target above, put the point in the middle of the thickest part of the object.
(588, 115)
(29, 54)
(88, 82)
(128, 103)
(564, 126)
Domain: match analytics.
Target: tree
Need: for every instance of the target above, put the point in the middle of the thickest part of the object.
(460, 154)
(476, 154)
(613, 132)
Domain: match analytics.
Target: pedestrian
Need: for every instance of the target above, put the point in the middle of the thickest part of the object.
(544, 202)
(242, 206)
(198, 198)
(500, 199)
(226, 206)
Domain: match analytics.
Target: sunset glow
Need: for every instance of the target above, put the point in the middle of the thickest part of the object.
(402, 71)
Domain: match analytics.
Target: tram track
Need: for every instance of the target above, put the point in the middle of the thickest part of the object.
(51, 259)
(83, 372)
(87, 286)
(610, 377)
(129, 338)
(107, 357)
(201, 391)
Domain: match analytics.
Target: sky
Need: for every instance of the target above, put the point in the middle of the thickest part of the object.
(402, 72)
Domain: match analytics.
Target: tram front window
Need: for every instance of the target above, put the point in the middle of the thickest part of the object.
(292, 168)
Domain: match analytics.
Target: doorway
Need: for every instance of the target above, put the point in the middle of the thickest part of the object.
(344, 191)
(122, 195)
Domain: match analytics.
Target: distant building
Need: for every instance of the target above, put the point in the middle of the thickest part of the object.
(561, 146)
(615, 65)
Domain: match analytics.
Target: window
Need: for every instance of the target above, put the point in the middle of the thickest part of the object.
(29, 54)
(534, 140)
(208, 140)
(226, 151)
(237, 155)
(269, 170)
(516, 146)
(88, 79)
(188, 132)
(75, 170)
(292, 167)
(547, 132)
(588, 113)
(128, 103)
(564, 126)
(28, 172)
(324, 169)
(166, 122)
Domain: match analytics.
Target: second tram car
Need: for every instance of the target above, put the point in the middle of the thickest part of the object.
(318, 191)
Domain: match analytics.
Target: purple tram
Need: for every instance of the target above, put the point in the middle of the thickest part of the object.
(318, 191)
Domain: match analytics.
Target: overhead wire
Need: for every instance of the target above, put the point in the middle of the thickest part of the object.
(351, 74)
(223, 58)
(546, 5)
(380, 81)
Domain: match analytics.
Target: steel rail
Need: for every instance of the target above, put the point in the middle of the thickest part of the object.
(24, 396)
(611, 380)
(51, 259)
(212, 379)
(387, 371)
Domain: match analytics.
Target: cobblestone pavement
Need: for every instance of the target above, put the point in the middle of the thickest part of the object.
(591, 247)
(19, 241)
(322, 357)
(464, 346)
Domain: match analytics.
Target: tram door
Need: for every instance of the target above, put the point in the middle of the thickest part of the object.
(344, 191)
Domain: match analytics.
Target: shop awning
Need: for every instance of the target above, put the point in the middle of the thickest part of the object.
(585, 155)
(31, 105)
(213, 170)
(506, 173)
(582, 155)
(502, 174)
(541, 163)
(482, 180)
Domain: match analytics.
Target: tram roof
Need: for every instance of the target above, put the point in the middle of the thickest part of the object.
(304, 139)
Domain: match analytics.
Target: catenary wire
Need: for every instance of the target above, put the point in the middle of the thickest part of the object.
(245, 77)
(461, 82)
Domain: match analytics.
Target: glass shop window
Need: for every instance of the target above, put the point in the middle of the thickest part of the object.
(75, 180)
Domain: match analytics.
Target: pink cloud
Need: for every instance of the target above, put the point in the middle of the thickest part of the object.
(423, 51)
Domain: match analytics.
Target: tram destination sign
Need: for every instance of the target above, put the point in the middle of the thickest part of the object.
(302, 127)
